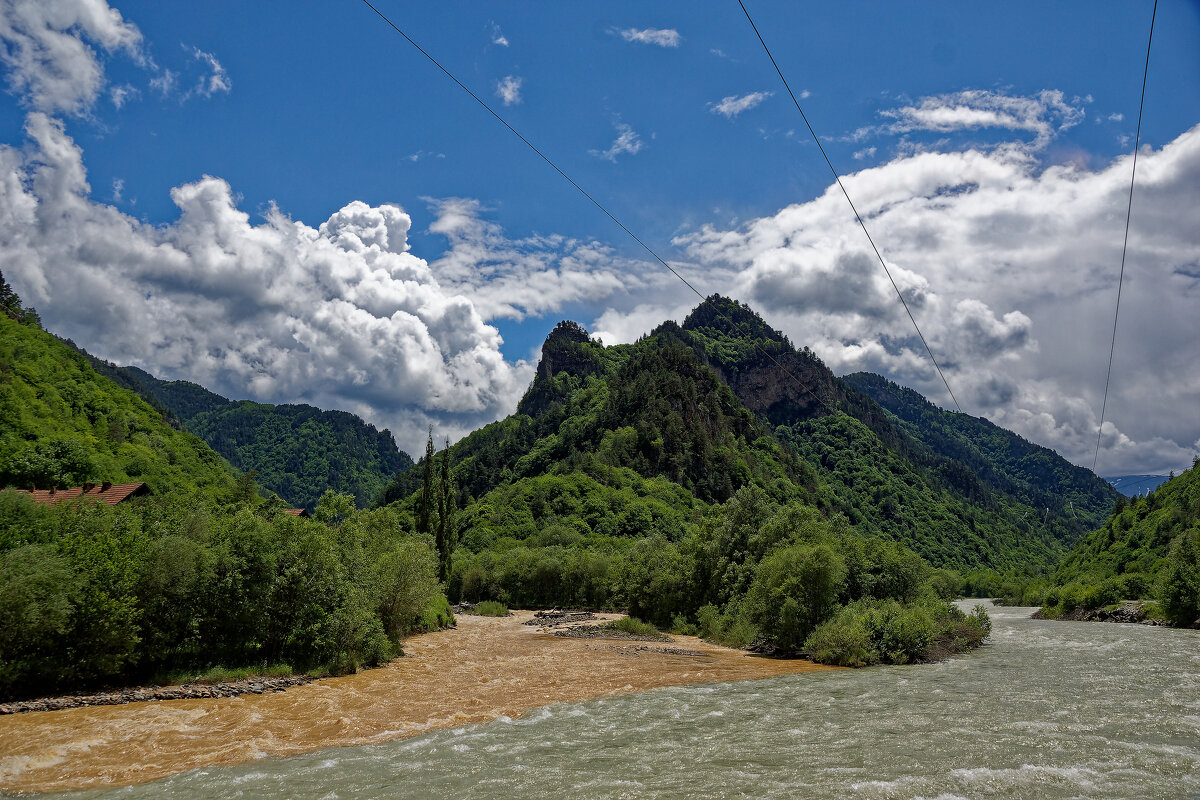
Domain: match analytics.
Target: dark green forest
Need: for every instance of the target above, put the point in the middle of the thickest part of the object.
(1147, 549)
(299, 452)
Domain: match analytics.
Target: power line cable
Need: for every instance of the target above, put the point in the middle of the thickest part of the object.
(582, 191)
(851, 202)
(1112, 347)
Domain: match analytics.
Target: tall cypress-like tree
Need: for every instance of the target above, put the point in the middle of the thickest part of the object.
(426, 500)
(445, 525)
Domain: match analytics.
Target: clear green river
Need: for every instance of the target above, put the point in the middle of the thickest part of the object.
(1046, 710)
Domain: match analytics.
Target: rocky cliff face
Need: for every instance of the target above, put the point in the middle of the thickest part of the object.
(773, 379)
(568, 349)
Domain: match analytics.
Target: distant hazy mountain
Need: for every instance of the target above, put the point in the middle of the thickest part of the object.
(1136, 485)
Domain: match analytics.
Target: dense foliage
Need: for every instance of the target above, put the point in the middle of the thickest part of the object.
(1148, 549)
(1076, 499)
(61, 424)
(296, 451)
(751, 571)
(94, 594)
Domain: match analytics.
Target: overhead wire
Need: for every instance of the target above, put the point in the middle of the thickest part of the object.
(1112, 347)
(580, 189)
(857, 216)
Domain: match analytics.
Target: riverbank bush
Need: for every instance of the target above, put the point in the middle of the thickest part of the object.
(93, 595)
(634, 626)
(490, 608)
(870, 632)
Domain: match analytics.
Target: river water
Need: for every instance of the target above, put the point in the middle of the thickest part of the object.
(1047, 710)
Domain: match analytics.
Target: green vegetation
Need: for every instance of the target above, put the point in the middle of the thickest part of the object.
(226, 674)
(634, 627)
(870, 632)
(490, 608)
(62, 424)
(95, 594)
(1077, 500)
(1147, 549)
(296, 451)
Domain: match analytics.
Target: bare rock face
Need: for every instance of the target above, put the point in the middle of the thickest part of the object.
(567, 349)
(796, 388)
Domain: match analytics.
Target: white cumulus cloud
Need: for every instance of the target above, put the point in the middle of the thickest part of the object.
(341, 315)
(627, 142)
(662, 37)
(734, 105)
(47, 49)
(509, 89)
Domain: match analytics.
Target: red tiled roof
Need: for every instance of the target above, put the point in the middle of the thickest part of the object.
(110, 493)
(296, 512)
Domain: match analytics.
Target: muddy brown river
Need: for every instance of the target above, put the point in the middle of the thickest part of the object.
(488, 668)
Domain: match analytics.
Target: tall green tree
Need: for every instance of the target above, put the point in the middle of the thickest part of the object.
(426, 500)
(1180, 591)
(445, 524)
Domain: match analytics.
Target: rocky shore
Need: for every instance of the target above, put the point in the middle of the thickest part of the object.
(605, 632)
(157, 693)
(1132, 611)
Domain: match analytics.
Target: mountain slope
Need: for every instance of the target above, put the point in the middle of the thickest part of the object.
(1022, 491)
(1003, 460)
(297, 451)
(62, 423)
(1137, 536)
(724, 402)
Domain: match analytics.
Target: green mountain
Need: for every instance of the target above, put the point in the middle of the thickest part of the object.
(297, 451)
(1002, 460)
(725, 402)
(1149, 547)
(62, 423)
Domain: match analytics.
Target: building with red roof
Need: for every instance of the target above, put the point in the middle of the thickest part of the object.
(110, 493)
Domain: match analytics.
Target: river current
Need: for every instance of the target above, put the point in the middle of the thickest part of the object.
(1046, 710)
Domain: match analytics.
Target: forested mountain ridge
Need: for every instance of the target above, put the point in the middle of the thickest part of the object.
(1149, 547)
(724, 402)
(297, 451)
(1002, 459)
(62, 423)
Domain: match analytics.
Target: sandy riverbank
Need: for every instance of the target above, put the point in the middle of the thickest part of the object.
(488, 667)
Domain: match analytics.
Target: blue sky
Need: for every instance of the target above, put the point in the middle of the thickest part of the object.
(1019, 116)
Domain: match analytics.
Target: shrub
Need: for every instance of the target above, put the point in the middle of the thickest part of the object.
(843, 641)
(884, 631)
(731, 628)
(794, 590)
(635, 626)
(490, 608)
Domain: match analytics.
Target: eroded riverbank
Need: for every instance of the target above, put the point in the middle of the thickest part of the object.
(485, 669)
